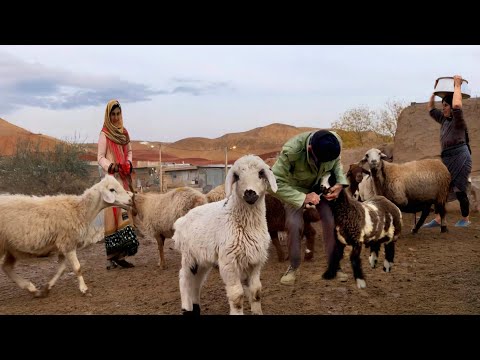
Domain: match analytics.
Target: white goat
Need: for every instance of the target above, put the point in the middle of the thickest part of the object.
(232, 233)
(34, 226)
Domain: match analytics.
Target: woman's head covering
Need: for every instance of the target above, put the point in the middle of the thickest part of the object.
(118, 135)
(325, 146)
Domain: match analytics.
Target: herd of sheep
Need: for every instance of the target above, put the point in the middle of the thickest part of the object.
(231, 227)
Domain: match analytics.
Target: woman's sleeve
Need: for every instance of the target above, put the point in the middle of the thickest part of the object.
(102, 152)
(130, 152)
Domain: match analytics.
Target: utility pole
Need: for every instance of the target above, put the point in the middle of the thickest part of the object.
(226, 162)
(160, 177)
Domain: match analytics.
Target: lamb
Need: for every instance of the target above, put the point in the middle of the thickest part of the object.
(157, 212)
(232, 234)
(60, 222)
(371, 222)
(412, 186)
(276, 221)
(356, 176)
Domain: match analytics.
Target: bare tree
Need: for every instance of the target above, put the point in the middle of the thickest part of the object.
(388, 118)
(358, 120)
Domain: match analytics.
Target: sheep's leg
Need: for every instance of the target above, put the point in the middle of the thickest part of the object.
(442, 212)
(278, 246)
(197, 283)
(61, 269)
(161, 242)
(374, 250)
(233, 285)
(253, 290)
(72, 258)
(425, 212)
(389, 255)
(7, 266)
(309, 233)
(190, 278)
(357, 266)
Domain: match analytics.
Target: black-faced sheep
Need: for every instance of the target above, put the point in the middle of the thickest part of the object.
(371, 222)
(156, 213)
(35, 226)
(412, 186)
(231, 233)
(276, 222)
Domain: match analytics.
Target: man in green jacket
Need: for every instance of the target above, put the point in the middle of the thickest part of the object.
(304, 160)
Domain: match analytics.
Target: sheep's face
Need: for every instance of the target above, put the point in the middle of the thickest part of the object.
(373, 157)
(114, 194)
(327, 181)
(248, 178)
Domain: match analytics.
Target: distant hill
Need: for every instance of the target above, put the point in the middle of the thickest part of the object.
(265, 141)
(11, 134)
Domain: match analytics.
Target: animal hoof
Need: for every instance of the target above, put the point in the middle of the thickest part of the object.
(414, 231)
(43, 292)
(443, 229)
(308, 256)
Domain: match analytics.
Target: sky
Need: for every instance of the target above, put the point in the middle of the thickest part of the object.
(171, 92)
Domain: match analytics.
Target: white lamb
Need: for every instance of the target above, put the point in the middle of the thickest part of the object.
(231, 233)
(35, 226)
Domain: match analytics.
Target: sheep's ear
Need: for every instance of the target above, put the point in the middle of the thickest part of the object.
(365, 171)
(271, 179)
(108, 196)
(383, 156)
(229, 182)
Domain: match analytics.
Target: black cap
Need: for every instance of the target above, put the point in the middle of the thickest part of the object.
(325, 146)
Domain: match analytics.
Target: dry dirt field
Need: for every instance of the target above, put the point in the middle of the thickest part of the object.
(434, 273)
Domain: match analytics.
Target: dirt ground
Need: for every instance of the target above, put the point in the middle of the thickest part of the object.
(434, 273)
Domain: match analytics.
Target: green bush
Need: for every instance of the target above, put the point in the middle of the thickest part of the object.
(31, 171)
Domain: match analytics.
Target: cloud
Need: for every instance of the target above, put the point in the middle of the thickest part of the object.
(33, 84)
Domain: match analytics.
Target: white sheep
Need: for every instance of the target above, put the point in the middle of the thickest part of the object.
(231, 233)
(371, 222)
(412, 186)
(35, 226)
(156, 213)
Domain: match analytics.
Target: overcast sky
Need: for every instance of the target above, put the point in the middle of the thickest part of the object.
(172, 92)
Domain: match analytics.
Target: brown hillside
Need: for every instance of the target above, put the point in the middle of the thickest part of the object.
(11, 134)
(418, 135)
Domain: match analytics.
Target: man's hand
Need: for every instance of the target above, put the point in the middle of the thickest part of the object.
(312, 198)
(333, 192)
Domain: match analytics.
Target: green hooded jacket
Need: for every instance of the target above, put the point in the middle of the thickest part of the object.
(296, 172)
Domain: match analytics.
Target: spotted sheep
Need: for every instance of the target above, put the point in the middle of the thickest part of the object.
(368, 223)
(231, 233)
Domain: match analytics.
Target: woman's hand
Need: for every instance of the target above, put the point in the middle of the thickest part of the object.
(457, 80)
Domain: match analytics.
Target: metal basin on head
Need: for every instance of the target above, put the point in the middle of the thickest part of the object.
(445, 86)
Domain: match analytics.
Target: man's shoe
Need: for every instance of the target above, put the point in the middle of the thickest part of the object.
(289, 277)
(341, 276)
(463, 223)
(432, 224)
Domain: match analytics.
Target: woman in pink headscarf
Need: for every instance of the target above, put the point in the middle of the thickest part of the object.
(115, 158)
